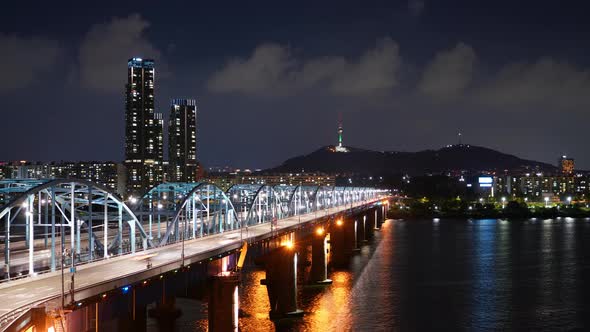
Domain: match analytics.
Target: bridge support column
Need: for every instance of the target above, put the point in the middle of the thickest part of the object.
(359, 233)
(281, 282)
(379, 217)
(136, 320)
(138, 314)
(342, 241)
(165, 313)
(369, 224)
(224, 302)
(363, 223)
(319, 266)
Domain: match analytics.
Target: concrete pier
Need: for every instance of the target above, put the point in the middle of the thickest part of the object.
(319, 262)
(224, 302)
(281, 282)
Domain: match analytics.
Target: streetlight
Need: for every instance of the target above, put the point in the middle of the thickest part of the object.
(503, 202)
(546, 201)
(569, 200)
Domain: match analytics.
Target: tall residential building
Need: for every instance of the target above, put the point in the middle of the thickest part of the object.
(143, 128)
(182, 140)
(566, 165)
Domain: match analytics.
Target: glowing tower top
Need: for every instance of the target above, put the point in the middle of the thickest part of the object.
(340, 147)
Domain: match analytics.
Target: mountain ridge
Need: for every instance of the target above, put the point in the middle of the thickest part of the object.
(463, 157)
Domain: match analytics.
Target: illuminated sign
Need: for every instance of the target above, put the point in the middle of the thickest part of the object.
(485, 181)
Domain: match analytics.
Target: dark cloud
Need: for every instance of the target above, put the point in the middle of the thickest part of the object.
(416, 7)
(449, 73)
(546, 84)
(105, 49)
(273, 70)
(376, 72)
(22, 60)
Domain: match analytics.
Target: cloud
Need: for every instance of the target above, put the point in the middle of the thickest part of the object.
(453, 76)
(22, 60)
(416, 7)
(270, 67)
(374, 73)
(273, 70)
(449, 73)
(105, 49)
(544, 83)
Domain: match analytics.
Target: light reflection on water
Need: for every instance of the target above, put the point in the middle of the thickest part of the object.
(450, 275)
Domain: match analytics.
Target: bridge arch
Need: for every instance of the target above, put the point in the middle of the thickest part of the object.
(258, 203)
(286, 194)
(172, 211)
(89, 221)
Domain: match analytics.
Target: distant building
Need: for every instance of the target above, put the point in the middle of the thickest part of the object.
(143, 128)
(537, 186)
(104, 173)
(4, 170)
(224, 181)
(566, 165)
(182, 140)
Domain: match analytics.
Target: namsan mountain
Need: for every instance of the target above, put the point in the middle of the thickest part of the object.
(452, 158)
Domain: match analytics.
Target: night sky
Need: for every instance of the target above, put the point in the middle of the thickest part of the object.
(271, 78)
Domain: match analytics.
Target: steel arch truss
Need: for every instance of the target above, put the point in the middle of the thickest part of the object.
(286, 194)
(257, 204)
(74, 221)
(174, 211)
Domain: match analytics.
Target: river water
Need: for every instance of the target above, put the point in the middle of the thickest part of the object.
(427, 275)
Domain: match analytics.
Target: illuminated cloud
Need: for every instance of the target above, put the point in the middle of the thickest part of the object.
(272, 70)
(375, 73)
(543, 84)
(105, 49)
(269, 68)
(449, 73)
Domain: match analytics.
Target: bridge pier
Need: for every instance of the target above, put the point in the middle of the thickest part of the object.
(342, 241)
(224, 302)
(281, 282)
(378, 217)
(165, 313)
(369, 225)
(357, 234)
(361, 230)
(319, 266)
(138, 313)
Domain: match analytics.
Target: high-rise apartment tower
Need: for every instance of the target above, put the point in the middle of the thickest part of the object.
(182, 140)
(143, 128)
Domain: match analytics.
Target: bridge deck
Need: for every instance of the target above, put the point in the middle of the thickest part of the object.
(94, 278)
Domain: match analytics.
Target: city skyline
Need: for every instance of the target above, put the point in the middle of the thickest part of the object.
(320, 166)
(427, 84)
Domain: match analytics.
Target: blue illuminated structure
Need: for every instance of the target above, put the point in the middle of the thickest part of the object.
(90, 222)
